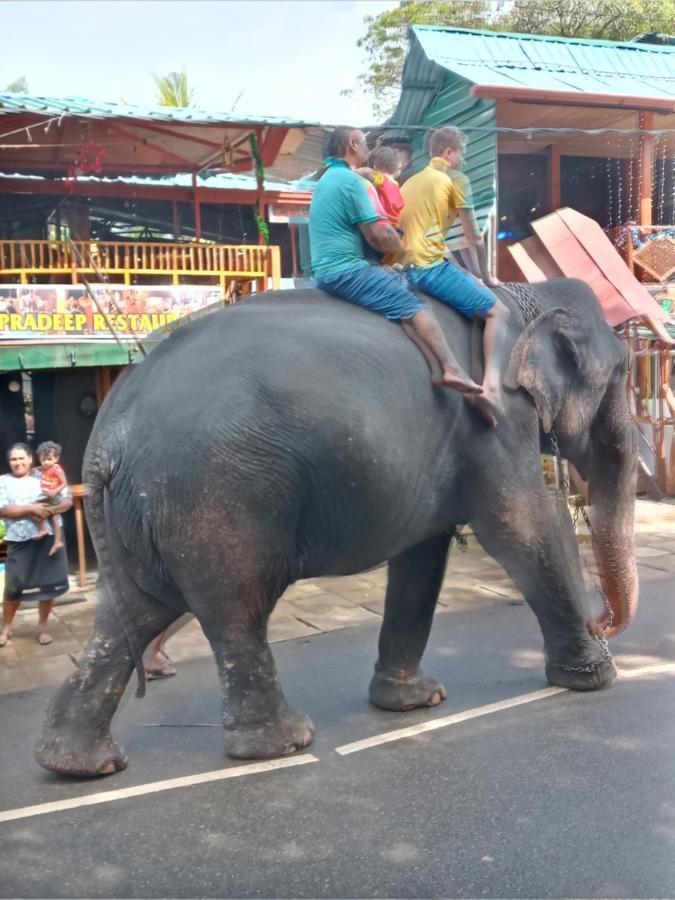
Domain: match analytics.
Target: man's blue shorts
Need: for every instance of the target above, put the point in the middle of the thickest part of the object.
(375, 289)
(451, 285)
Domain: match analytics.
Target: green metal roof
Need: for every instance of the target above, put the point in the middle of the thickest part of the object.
(80, 106)
(546, 63)
(232, 181)
(17, 355)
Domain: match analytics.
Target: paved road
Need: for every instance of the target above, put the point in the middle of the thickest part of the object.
(571, 795)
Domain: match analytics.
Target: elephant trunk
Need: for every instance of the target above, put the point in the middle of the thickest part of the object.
(612, 483)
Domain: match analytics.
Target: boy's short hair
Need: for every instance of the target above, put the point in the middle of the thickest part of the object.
(49, 447)
(386, 159)
(447, 138)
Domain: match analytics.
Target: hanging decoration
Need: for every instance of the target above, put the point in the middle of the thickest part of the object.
(610, 187)
(640, 175)
(660, 216)
(629, 206)
(89, 160)
(263, 228)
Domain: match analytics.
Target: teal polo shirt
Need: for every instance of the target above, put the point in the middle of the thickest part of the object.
(339, 203)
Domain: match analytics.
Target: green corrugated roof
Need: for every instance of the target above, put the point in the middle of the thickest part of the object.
(544, 62)
(233, 181)
(80, 106)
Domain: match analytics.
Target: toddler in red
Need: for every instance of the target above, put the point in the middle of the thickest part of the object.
(386, 165)
(53, 482)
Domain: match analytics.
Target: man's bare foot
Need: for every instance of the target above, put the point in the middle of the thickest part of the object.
(159, 666)
(58, 545)
(485, 407)
(461, 383)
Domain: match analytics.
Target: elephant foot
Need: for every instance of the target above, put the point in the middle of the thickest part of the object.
(583, 676)
(100, 757)
(396, 690)
(285, 733)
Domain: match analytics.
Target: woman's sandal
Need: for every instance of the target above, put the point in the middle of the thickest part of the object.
(5, 639)
(44, 638)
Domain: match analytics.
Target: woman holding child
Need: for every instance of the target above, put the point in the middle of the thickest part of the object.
(31, 571)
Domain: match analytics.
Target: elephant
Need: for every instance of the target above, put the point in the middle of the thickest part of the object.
(295, 435)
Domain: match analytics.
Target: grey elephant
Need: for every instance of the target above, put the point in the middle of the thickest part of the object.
(294, 436)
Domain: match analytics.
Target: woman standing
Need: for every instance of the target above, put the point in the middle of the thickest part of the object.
(30, 572)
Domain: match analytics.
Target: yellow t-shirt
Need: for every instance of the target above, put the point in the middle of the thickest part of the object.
(431, 200)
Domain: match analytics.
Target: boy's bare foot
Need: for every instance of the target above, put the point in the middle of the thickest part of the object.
(461, 383)
(58, 545)
(40, 535)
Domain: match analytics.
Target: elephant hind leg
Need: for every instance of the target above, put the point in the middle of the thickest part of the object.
(415, 578)
(258, 721)
(76, 738)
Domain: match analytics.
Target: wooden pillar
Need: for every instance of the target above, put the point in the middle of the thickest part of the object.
(554, 177)
(198, 211)
(646, 120)
(176, 220)
(261, 186)
(78, 492)
(103, 383)
(294, 249)
(275, 267)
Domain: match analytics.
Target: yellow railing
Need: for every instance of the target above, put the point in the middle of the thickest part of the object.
(130, 259)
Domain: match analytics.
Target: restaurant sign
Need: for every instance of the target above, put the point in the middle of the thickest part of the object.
(67, 312)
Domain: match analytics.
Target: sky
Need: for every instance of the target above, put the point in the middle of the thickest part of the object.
(289, 58)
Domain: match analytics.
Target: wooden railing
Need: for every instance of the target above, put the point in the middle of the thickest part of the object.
(133, 259)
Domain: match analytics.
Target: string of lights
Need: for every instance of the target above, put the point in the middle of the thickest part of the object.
(660, 217)
(503, 129)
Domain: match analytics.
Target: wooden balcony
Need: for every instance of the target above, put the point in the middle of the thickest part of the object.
(130, 261)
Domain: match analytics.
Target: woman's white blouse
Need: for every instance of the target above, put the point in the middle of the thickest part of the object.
(19, 492)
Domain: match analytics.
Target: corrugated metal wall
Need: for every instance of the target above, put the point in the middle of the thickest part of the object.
(455, 106)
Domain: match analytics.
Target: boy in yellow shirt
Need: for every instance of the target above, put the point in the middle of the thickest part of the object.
(433, 199)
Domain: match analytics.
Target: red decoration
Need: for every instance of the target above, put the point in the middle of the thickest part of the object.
(89, 159)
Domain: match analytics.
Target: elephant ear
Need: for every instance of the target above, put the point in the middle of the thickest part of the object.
(544, 360)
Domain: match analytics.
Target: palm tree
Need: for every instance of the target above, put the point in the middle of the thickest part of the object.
(173, 89)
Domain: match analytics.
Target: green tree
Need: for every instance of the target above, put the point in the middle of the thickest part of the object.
(20, 86)
(385, 40)
(173, 89)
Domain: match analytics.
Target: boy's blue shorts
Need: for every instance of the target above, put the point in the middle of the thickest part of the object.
(451, 285)
(375, 289)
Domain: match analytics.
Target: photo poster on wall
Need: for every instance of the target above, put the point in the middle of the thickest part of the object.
(67, 312)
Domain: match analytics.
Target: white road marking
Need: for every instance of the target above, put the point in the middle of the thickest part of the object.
(139, 790)
(477, 712)
(641, 671)
(445, 721)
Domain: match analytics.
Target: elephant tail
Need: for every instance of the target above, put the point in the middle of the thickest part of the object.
(97, 478)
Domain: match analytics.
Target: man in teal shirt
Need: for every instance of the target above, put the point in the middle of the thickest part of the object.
(340, 216)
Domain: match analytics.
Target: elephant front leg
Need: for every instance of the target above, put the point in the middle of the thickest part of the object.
(258, 721)
(530, 533)
(415, 579)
